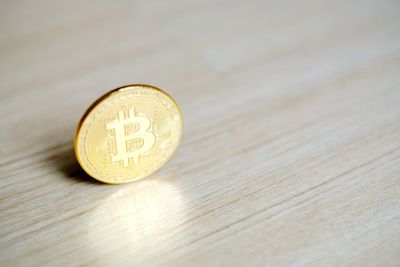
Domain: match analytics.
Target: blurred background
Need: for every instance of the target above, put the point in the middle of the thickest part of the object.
(279, 99)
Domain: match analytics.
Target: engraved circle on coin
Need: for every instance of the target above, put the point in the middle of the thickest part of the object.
(128, 134)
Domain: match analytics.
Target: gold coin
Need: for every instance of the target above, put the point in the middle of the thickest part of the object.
(128, 133)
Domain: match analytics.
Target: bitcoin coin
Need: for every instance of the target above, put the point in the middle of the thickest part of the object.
(128, 134)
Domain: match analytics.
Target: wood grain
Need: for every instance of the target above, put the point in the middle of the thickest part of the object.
(291, 148)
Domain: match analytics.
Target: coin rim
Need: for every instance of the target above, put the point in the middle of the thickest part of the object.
(108, 94)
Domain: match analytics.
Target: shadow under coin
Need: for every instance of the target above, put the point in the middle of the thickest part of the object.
(68, 165)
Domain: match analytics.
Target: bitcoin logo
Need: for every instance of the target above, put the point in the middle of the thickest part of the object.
(128, 133)
(123, 134)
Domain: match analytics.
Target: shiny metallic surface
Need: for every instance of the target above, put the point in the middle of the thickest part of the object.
(128, 134)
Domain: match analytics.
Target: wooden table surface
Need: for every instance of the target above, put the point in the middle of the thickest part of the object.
(291, 146)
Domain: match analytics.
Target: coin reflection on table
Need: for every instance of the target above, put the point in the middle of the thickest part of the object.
(146, 213)
(128, 134)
